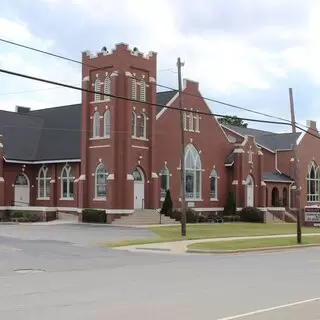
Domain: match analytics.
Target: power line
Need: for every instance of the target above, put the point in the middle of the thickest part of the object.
(287, 122)
(129, 99)
(157, 84)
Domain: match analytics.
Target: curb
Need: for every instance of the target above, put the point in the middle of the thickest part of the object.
(203, 251)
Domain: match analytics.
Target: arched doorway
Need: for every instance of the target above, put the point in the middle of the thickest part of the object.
(285, 197)
(275, 197)
(22, 190)
(249, 192)
(138, 188)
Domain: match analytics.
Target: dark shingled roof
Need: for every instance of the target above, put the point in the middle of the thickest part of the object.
(164, 97)
(276, 176)
(270, 140)
(60, 135)
(48, 134)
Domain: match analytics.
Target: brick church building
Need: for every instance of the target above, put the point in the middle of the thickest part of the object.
(120, 155)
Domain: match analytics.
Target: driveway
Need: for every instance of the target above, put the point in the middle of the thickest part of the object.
(78, 234)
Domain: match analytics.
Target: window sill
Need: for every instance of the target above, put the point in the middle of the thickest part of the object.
(44, 198)
(99, 138)
(100, 101)
(214, 199)
(139, 138)
(192, 200)
(162, 199)
(99, 199)
(66, 199)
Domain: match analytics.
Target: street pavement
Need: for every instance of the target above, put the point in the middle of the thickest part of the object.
(58, 272)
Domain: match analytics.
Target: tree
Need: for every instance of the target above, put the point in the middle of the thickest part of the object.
(230, 207)
(166, 206)
(233, 120)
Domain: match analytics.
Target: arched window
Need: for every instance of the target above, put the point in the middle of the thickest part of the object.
(164, 181)
(134, 124)
(313, 183)
(101, 175)
(213, 184)
(190, 121)
(44, 183)
(66, 183)
(134, 89)
(143, 126)
(184, 116)
(96, 124)
(137, 176)
(97, 90)
(142, 91)
(106, 123)
(107, 88)
(193, 173)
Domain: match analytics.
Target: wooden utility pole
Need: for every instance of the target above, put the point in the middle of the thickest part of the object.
(296, 168)
(182, 166)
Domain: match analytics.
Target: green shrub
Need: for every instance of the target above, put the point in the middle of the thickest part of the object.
(94, 216)
(250, 214)
(20, 216)
(191, 215)
(167, 205)
(231, 218)
(230, 207)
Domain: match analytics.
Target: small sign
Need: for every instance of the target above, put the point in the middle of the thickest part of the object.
(312, 214)
(190, 204)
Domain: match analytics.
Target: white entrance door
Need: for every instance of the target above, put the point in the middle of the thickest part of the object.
(138, 191)
(22, 191)
(249, 192)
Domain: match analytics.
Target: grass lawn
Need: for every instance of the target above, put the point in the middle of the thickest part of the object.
(206, 231)
(254, 243)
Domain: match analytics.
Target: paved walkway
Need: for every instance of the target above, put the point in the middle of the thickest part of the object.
(180, 247)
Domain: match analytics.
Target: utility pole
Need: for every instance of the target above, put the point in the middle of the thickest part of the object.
(296, 168)
(182, 171)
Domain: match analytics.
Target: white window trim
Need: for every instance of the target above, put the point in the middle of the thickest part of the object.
(312, 198)
(134, 89)
(143, 120)
(214, 174)
(43, 178)
(143, 89)
(107, 88)
(97, 88)
(134, 125)
(106, 124)
(165, 170)
(190, 148)
(96, 197)
(96, 125)
(69, 178)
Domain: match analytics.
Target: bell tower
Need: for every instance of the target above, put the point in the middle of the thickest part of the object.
(118, 122)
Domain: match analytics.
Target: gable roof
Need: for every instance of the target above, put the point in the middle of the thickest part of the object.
(164, 98)
(270, 140)
(49, 134)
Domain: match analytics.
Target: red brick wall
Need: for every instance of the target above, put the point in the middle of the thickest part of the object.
(121, 153)
(211, 142)
(308, 150)
(11, 170)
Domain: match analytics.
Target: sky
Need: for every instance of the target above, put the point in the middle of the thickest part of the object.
(246, 53)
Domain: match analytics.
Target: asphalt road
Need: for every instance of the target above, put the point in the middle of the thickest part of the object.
(76, 280)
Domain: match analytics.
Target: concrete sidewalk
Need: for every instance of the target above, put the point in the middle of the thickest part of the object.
(180, 247)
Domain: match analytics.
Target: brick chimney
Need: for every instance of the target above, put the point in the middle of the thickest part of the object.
(312, 124)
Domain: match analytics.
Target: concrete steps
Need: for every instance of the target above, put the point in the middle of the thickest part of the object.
(143, 217)
(281, 215)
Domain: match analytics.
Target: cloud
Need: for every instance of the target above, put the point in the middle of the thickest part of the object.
(242, 51)
(18, 91)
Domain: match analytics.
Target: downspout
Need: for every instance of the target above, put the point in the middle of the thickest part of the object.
(276, 161)
(290, 187)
